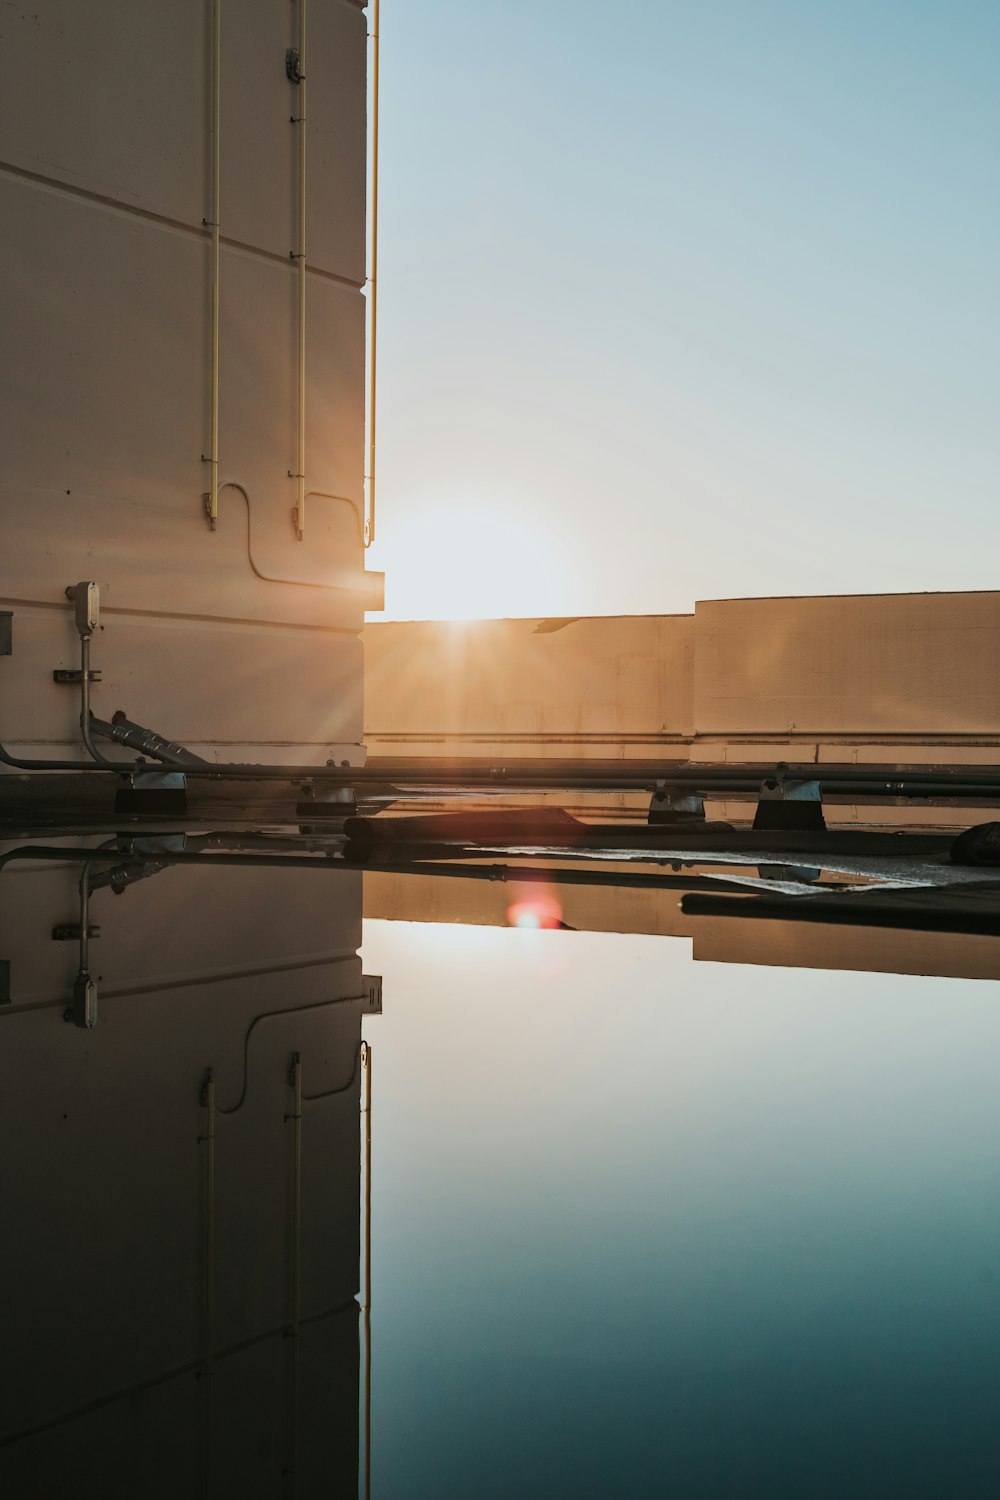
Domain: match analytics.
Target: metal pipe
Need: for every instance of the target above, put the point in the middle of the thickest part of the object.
(85, 714)
(373, 284)
(18, 763)
(295, 1079)
(401, 778)
(850, 911)
(85, 920)
(300, 256)
(494, 872)
(208, 1100)
(366, 1314)
(86, 605)
(125, 732)
(214, 225)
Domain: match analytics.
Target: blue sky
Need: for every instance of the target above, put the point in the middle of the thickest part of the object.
(686, 301)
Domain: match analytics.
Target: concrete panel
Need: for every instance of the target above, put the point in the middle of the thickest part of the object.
(258, 141)
(258, 414)
(108, 315)
(53, 539)
(118, 104)
(882, 664)
(336, 146)
(259, 183)
(555, 687)
(111, 96)
(217, 689)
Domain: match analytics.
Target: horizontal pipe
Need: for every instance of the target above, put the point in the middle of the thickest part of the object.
(841, 911)
(573, 775)
(497, 873)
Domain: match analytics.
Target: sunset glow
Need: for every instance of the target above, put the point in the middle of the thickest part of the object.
(471, 561)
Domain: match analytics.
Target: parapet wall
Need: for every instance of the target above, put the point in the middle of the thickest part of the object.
(900, 678)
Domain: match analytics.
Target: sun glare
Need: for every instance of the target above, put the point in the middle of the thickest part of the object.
(470, 562)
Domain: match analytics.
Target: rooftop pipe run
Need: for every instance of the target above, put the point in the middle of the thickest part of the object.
(519, 775)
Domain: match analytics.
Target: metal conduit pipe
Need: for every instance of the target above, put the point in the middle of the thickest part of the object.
(18, 763)
(124, 732)
(373, 285)
(405, 779)
(208, 1289)
(295, 1083)
(214, 224)
(86, 726)
(85, 599)
(366, 1306)
(501, 874)
(300, 255)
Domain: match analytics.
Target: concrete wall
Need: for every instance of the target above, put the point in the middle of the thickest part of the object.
(242, 642)
(880, 665)
(529, 686)
(904, 678)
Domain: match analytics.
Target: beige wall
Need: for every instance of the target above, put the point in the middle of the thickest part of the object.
(893, 678)
(105, 152)
(529, 686)
(883, 664)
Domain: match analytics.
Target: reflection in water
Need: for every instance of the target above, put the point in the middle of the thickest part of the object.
(181, 1186)
(648, 1227)
(639, 1225)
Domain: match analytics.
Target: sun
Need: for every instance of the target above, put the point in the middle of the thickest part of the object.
(469, 561)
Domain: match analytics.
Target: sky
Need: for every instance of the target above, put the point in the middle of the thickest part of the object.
(681, 302)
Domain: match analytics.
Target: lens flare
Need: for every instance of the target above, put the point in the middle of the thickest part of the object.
(538, 910)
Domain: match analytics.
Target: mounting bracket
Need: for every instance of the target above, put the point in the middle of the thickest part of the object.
(74, 674)
(789, 804)
(71, 932)
(670, 805)
(152, 791)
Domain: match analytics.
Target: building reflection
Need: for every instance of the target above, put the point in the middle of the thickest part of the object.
(400, 896)
(181, 1185)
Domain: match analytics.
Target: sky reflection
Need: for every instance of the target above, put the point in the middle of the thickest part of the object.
(647, 1227)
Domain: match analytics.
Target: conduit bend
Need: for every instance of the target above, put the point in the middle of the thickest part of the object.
(293, 1010)
(97, 761)
(234, 484)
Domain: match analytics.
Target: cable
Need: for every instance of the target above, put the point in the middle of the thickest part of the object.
(268, 1015)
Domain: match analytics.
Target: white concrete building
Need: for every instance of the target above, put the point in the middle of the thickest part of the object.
(237, 636)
